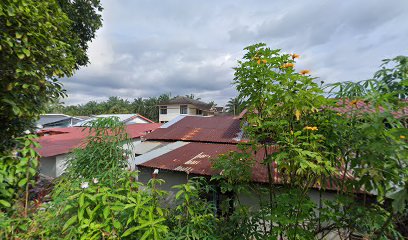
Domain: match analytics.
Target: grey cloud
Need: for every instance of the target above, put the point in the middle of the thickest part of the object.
(147, 48)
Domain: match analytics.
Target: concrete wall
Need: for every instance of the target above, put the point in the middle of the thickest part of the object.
(47, 166)
(250, 199)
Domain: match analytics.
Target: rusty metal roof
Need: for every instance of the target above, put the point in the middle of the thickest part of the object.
(217, 129)
(194, 158)
(63, 140)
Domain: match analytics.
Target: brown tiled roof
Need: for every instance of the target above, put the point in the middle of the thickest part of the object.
(217, 129)
(186, 100)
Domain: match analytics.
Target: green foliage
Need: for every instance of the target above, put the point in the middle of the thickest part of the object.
(104, 153)
(194, 217)
(17, 171)
(391, 79)
(39, 43)
(123, 210)
(235, 106)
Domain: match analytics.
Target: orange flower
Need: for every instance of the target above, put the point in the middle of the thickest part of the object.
(264, 61)
(304, 72)
(402, 137)
(287, 65)
(295, 56)
(354, 102)
(259, 61)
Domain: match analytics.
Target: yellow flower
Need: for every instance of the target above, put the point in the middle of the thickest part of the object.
(304, 72)
(295, 56)
(297, 114)
(338, 114)
(402, 137)
(310, 128)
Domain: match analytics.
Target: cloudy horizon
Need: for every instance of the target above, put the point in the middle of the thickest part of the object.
(146, 48)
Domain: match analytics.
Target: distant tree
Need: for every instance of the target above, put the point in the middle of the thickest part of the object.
(192, 96)
(235, 106)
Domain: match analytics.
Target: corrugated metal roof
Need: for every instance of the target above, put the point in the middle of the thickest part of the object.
(218, 129)
(63, 140)
(155, 153)
(147, 146)
(359, 106)
(122, 117)
(194, 158)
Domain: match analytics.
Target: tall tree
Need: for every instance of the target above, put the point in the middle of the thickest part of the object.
(40, 41)
(235, 106)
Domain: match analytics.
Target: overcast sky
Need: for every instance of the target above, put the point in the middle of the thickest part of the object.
(146, 48)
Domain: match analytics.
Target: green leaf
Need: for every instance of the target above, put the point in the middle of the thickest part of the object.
(106, 212)
(5, 203)
(22, 182)
(117, 224)
(70, 221)
(26, 52)
(18, 35)
(20, 55)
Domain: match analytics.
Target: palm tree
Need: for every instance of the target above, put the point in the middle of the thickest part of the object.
(235, 106)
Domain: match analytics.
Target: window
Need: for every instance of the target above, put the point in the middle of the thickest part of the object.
(199, 112)
(183, 109)
(163, 109)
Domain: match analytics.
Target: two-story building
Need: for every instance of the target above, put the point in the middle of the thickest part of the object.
(168, 110)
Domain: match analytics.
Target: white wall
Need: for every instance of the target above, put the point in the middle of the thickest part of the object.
(174, 110)
(55, 166)
(137, 120)
(60, 164)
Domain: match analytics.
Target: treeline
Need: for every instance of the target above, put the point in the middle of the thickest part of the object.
(114, 105)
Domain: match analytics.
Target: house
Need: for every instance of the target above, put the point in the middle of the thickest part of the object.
(184, 148)
(168, 110)
(57, 143)
(125, 118)
(57, 120)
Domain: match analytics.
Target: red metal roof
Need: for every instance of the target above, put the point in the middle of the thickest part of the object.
(218, 129)
(359, 106)
(63, 140)
(194, 158)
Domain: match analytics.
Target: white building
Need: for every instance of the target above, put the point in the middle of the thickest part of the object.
(168, 110)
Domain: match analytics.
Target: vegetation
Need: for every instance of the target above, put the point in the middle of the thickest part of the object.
(115, 105)
(308, 149)
(40, 41)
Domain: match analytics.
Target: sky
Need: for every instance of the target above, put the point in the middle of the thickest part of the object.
(146, 48)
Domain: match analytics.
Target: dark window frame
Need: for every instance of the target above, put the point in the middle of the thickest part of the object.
(163, 110)
(183, 107)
